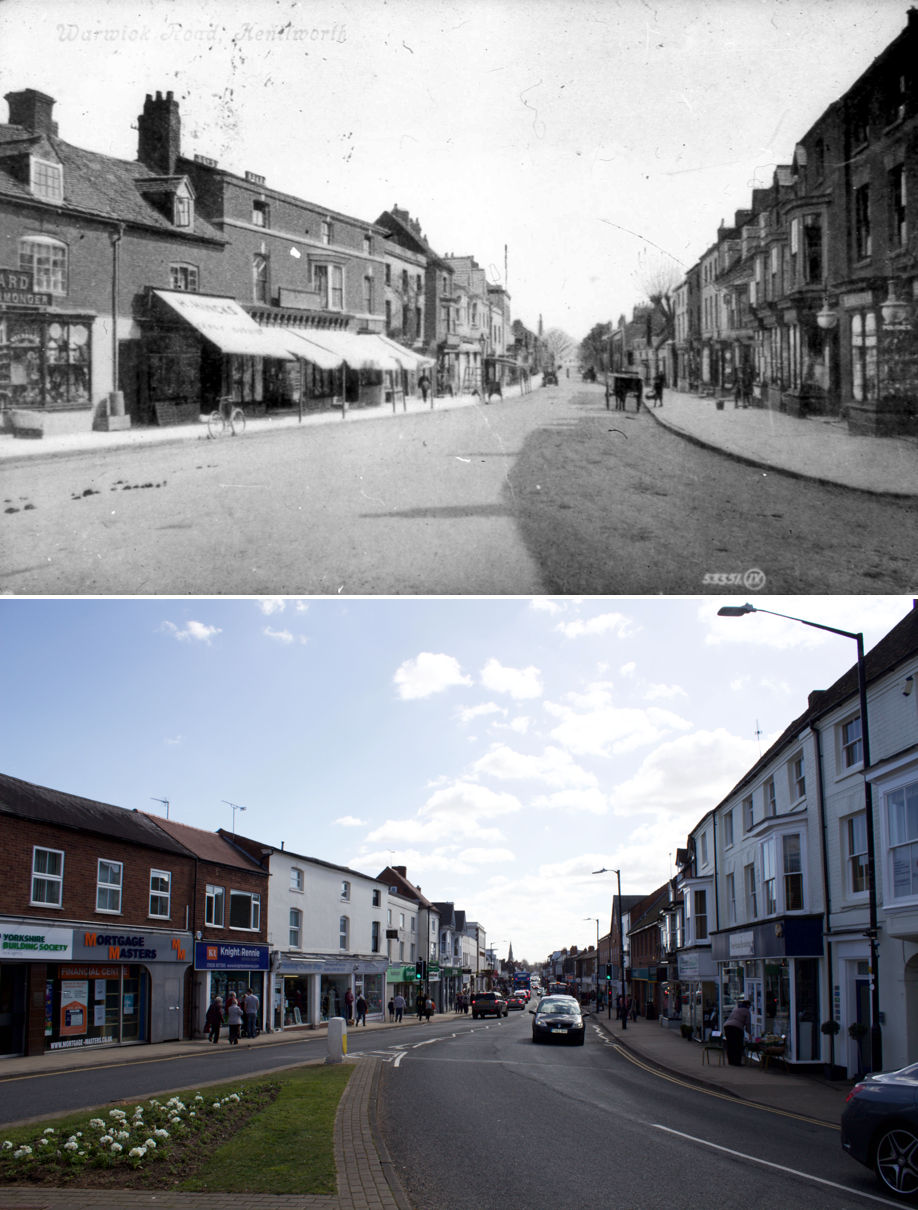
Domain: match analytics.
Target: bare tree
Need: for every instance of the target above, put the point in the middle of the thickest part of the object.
(659, 276)
(561, 346)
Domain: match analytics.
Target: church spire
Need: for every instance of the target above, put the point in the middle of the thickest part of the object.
(510, 954)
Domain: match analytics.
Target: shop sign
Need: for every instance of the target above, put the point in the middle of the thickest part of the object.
(90, 972)
(131, 947)
(19, 941)
(688, 966)
(16, 289)
(742, 945)
(213, 956)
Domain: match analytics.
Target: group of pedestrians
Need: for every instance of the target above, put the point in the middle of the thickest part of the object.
(241, 1013)
(462, 1002)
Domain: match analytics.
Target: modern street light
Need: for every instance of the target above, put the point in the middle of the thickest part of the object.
(876, 1041)
(621, 945)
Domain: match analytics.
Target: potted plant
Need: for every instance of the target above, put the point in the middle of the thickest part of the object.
(856, 1032)
(830, 1028)
(686, 1031)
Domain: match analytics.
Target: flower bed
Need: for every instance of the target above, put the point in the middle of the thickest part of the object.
(154, 1145)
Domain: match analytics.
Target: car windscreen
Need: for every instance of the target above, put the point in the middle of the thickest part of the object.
(558, 1008)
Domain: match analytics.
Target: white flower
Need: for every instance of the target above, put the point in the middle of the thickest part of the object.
(17, 1155)
(191, 1115)
(233, 1097)
(50, 1130)
(139, 1152)
(151, 1143)
(97, 1122)
(117, 1147)
(81, 1153)
(118, 1114)
(43, 1142)
(70, 1146)
(124, 1134)
(7, 1145)
(199, 1097)
(175, 1119)
(105, 1140)
(161, 1134)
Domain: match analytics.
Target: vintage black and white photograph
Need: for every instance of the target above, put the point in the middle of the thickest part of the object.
(463, 299)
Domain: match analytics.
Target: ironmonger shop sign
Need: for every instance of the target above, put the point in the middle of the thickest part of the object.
(16, 289)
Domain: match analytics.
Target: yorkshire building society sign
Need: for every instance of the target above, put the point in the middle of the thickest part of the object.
(27, 941)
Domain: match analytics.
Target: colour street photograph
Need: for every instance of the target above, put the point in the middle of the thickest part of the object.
(515, 297)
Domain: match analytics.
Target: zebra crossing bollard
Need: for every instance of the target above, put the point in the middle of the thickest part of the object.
(337, 1040)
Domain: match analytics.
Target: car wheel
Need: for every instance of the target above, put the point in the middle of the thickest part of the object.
(535, 1037)
(896, 1162)
(580, 1041)
(474, 1016)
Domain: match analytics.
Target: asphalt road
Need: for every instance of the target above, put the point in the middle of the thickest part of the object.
(548, 493)
(487, 1119)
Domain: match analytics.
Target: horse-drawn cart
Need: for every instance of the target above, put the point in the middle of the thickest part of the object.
(619, 386)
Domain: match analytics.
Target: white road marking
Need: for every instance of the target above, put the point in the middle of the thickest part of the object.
(780, 1167)
(398, 1058)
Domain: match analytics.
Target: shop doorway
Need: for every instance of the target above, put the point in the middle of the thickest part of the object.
(862, 1009)
(754, 996)
(13, 976)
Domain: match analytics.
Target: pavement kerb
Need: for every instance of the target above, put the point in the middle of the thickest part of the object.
(712, 1085)
(765, 464)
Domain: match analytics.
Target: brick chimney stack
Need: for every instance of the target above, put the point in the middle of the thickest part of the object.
(32, 110)
(159, 134)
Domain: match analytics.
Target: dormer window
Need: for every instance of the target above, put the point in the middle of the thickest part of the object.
(47, 180)
(183, 211)
(261, 214)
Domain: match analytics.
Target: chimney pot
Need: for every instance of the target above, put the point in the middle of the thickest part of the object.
(32, 110)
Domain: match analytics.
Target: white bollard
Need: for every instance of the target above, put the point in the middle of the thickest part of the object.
(337, 1040)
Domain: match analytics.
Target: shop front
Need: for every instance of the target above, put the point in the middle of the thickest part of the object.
(65, 988)
(697, 989)
(776, 967)
(223, 968)
(403, 979)
(310, 991)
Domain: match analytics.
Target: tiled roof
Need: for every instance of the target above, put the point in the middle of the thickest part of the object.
(98, 184)
(38, 803)
(208, 846)
(251, 846)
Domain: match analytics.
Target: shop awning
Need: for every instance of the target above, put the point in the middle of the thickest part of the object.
(407, 357)
(223, 322)
(310, 350)
(360, 352)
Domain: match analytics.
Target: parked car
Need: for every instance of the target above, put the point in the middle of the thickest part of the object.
(879, 1128)
(558, 1019)
(486, 1004)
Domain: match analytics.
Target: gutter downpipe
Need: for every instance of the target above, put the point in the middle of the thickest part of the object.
(116, 398)
(820, 795)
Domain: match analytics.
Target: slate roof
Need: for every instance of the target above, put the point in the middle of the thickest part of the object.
(392, 877)
(25, 800)
(208, 846)
(255, 846)
(95, 184)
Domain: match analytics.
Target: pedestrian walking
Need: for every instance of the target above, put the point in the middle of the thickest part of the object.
(349, 1006)
(424, 386)
(399, 1002)
(250, 1008)
(214, 1018)
(737, 391)
(659, 383)
(361, 1006)
(738, 1023)
(420, 1007)
(391, 1009)
(428, 1009)
(235, 1017)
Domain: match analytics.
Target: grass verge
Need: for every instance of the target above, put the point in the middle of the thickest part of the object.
(248, 1136)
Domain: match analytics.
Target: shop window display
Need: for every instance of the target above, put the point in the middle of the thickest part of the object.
(90, 1005)
(43, 363)
(296, 1000)
(331, 996)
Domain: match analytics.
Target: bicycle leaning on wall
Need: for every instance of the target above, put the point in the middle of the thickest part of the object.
(226, 416)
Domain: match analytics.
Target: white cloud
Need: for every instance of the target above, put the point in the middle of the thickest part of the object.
(451, 812)
(621, 626)
(428, 674)
(351, 821)
(269, 605)
(466, 716)
(417, 862)
(553, 766)
(195, 630)
(546, 604)
(591, 799)
(518, 682)
(628, 669)
(482, 856)
(609, 730)
(686, 777)
(655, 691)
(739, 682)
(520, 725)
(282, 636)
(464, 800)
(177, 740)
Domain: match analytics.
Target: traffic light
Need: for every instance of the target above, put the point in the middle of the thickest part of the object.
(419, 970)
(608, 970)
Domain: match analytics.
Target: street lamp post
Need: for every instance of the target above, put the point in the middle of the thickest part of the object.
(596, 960)
(876, 1041)
(621, 946)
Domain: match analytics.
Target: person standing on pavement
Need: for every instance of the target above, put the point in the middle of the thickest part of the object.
(250, 1007)
(349, 1006)
(234, 1016)
(739, 1021)
(420, 1006)
(391, 1009)
(424, 386)
(214, 1018)
(399, 1006)
(428, 1008)
(659, 383)
(361, 1006)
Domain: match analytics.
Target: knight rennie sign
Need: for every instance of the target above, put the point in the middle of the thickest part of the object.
(16, 289)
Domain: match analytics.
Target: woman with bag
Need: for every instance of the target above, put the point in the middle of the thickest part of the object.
(214, 1018)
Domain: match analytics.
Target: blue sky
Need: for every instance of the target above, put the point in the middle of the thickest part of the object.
(584, 135)
(500, 749)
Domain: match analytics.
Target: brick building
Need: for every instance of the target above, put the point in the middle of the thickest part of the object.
(96, 921)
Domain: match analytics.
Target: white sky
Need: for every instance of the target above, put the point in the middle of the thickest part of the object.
(500, 749)
(583, 136)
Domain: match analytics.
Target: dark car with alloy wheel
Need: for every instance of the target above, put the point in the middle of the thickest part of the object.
(558, 1019)
(879, 1127)
(485, 1004)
